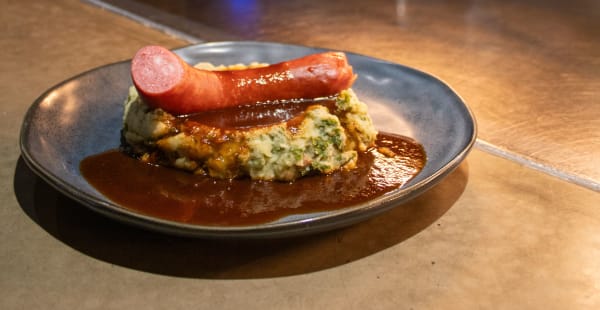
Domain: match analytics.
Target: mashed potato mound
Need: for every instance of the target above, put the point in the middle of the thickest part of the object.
(320, 142)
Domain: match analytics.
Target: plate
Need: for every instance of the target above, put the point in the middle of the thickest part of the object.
(82, 116)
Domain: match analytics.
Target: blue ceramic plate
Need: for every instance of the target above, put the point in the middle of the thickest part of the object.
(82, 116)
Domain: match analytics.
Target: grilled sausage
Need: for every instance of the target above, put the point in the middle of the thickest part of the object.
(165, 81)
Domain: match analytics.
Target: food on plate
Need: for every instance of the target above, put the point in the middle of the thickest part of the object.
(268, 122)
(228, 139)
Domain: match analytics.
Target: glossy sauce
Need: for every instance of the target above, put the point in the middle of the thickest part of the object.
(256, 115)
(184, 197)
(180, 196)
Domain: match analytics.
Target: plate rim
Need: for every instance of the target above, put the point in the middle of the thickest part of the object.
(327, 221)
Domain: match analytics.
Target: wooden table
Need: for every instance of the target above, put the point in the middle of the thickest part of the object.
(517, 225)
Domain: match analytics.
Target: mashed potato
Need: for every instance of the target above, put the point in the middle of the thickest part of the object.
(320, 142)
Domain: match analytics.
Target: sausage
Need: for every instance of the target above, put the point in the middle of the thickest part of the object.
(165, 81)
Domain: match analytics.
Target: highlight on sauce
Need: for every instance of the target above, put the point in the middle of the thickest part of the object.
(183, 197)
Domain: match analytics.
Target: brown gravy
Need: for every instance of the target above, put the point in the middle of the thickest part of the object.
(179, 196)
(256, 115)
